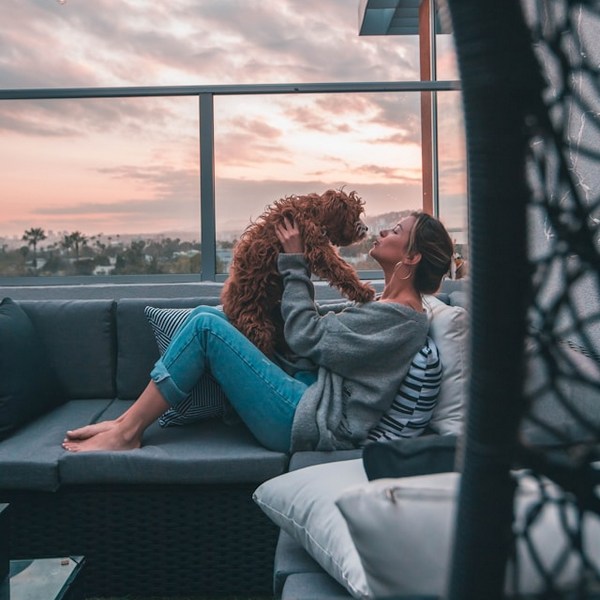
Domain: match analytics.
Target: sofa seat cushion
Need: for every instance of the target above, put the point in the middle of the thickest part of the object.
(299, 460)
(30, 457)
(290, 558)
(207, 452)
(313, 586)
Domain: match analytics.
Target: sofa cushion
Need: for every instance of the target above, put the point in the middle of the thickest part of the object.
(395, 458)
(420, 511)
(28, 384)
(207, 399)
(30, 457)
(299, 460)
(81, 335)
(409, 457)
(313, 586)
(459, 298)
(137, 348)
(402, 530)
(290, 558)
(302, 503)
(206, 452)
(449, 330)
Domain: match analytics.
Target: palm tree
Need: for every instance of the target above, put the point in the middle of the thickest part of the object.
(75, 240)
(78, 239)
(66, 242)
(32, 237)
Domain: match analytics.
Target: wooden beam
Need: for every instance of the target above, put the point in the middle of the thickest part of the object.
(426, 104)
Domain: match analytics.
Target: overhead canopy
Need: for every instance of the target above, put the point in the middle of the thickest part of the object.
(391, 17)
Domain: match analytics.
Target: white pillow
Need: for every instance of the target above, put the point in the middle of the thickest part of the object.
(403, 532)
(302, 503)
(449, 330)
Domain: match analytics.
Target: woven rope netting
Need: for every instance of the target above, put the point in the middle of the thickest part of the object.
(531, 90)
(560, 431)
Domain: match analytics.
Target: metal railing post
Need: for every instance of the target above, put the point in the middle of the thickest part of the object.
(208, 236)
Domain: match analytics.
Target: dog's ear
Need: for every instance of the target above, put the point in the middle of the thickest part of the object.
(314, 234)
(334, 202)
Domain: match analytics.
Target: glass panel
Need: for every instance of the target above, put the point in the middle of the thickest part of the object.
(99, 186)
(268, 147)
(452, 164)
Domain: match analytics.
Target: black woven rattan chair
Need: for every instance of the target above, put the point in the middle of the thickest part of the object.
(519, 70)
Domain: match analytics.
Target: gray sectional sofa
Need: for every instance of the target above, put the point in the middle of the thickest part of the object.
(175, 517)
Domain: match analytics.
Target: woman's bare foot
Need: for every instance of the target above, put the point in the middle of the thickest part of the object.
(83, 433)
(108, 435)
(125, 432)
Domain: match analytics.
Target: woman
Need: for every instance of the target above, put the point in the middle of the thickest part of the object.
(348, 363)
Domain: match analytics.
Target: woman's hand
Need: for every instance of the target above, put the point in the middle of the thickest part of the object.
(290, 237)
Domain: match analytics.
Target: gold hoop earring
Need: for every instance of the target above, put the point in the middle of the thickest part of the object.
(398, 265)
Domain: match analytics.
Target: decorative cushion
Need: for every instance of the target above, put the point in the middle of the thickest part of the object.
(403, 532)
(414, 405)
(449, 330)
(207, 399)
(302, 503)
(407, 457)
(28, 384)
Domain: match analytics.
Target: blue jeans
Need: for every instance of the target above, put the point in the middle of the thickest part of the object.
(263, 394)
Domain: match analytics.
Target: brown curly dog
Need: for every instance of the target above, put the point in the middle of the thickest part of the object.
(251, 295)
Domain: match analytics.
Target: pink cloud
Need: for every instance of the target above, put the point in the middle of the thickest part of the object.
(388, 172)
(100, 43)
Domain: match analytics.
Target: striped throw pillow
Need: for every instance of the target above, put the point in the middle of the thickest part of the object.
(416, 399)
(207, 399)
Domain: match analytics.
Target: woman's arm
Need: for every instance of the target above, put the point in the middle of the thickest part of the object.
(337, 341)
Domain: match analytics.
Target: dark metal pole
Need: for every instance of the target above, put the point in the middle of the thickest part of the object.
(207, 188)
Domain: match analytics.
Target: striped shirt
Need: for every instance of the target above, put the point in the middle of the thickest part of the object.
(413, 406)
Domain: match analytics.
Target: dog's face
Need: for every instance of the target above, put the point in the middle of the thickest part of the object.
(341, 217)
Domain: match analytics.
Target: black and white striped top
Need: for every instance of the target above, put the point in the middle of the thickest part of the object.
(416, 399)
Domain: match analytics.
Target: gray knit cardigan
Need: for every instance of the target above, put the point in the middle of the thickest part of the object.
(362, 353)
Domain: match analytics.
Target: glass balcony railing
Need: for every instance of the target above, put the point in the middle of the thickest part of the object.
(158, 183)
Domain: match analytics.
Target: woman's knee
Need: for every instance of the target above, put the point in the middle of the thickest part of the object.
(209, 321)
(207, 310)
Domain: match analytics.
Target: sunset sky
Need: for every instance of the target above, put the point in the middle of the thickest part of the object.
(131, 165)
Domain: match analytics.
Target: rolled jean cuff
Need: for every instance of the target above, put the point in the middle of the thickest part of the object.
(165, 384)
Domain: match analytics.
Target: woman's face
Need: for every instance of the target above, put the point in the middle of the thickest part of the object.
(392, 244)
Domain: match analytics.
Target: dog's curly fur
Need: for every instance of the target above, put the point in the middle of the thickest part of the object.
(251, 295)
